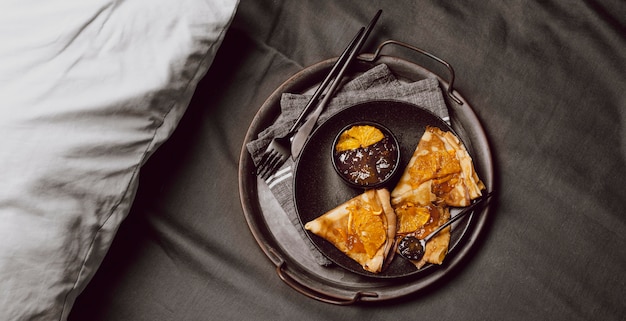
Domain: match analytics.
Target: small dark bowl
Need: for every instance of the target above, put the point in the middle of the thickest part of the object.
(387, 150)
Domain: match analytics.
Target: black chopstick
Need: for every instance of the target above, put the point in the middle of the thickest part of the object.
(355, 51)
(331, 75)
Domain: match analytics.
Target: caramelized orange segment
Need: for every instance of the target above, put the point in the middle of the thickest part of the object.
(347, 143)
(411, 217)
(370, 229)
(359, 136)
(434, 164)
(366, 226)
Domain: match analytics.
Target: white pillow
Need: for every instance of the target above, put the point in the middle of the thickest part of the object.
(88, 91)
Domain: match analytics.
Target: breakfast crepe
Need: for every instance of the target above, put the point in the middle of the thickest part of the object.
(440, 174)
(419, 221)
(363, 228)
(437, 248)
(442, 161)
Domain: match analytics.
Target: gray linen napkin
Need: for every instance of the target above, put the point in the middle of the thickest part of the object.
(376, 83)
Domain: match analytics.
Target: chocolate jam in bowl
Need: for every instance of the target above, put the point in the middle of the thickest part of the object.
(365, 154)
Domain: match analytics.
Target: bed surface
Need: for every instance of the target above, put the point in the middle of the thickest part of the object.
(546, 80)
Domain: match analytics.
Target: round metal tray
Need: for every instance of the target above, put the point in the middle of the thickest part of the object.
(284, 246)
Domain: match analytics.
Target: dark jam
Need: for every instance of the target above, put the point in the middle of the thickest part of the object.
(369, 165)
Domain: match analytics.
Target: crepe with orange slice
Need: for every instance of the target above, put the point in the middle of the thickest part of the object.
(442, 163)
(363, 228)
(440, 174)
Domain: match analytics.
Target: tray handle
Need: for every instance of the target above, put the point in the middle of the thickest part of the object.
(450, 90)
(283, 274)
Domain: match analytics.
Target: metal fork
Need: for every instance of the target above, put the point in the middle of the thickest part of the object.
(279, 149)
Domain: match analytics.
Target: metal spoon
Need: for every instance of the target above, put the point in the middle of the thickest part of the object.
(413, 248)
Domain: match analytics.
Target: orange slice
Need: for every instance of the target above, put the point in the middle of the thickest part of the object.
(347, 143)
(366, 227)
(411, 217)
(359, 136)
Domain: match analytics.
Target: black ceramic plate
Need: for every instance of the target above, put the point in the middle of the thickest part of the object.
(318, 188)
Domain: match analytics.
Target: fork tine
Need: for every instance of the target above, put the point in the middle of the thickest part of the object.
(263, 163)
(261, 170)
(276, 154)
(273, 164)
(267, 167)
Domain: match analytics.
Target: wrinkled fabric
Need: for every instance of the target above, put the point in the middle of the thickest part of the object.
(89, 90)
(546, 81)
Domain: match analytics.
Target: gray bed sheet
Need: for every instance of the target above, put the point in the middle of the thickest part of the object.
(547, 80)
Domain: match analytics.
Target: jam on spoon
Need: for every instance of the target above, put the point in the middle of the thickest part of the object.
(413, 248)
